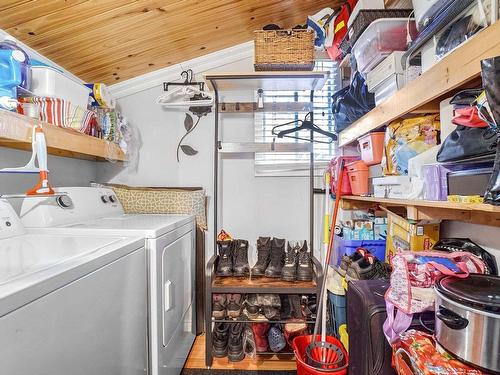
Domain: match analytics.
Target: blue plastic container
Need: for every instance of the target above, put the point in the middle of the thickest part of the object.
(348, 247)
(339, 310)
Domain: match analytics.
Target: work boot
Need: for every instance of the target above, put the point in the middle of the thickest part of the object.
(220, 338)
(240, 258)
(219, 306)
(286, 307)
(295, 306)
(233, 305)
(277, 258)
(225, 266)
(347, 260)
(235, 343)
(289, 271)
(260, 336)
(249, 342)
(252, 307)
(263, 252)
(304, 264)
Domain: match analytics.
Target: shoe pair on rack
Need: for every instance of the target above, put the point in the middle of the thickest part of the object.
(268, 337)
(226, 305)
(233, 258)
(363, 265)
(262, 306)
(270, 257)
(298, 263)
(234, 340)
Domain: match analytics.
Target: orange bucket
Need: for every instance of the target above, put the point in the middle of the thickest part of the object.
(358, 177)
(371, 147)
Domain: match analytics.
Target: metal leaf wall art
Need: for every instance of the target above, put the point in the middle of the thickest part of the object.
(190, 125)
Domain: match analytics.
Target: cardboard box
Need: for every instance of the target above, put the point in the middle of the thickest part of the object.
(408, 235)
(363, 230)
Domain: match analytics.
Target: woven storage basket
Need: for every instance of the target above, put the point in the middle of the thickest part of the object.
(284, 50)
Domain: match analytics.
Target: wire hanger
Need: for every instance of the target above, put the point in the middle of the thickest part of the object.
(305, 124)
(186, 94)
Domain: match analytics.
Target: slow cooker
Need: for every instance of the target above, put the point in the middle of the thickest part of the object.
(468, 319)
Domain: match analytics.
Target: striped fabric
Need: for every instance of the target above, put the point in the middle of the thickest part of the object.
(62, 113)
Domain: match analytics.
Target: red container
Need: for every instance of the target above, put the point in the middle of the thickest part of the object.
(334, 168)
(358, 177)
(300, 344)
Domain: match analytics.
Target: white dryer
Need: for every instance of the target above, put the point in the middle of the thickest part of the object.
(71, 304)
(170, 244)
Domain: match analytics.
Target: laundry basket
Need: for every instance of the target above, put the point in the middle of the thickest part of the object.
(283, 50)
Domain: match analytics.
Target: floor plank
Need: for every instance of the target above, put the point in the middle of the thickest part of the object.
(196, 360)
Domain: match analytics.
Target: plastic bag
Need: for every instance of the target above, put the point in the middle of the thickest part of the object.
(406, 139)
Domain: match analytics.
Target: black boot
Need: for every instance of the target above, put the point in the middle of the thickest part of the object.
(289, 272)
(225, 266)
(220, 338)
(235, 345)
(240, 258)
(304, 266)
(263, 252)
(277, 260)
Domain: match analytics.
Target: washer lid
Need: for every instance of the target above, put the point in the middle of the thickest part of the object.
(477, 291)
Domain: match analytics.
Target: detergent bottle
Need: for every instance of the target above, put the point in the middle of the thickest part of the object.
(10, 78)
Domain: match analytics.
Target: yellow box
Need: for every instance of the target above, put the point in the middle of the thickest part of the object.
(405, 235)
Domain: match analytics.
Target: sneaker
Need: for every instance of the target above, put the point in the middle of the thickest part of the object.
(304, 264)
(252, 307)
(235, 343)
(347, 260)
(263, 252)
(240, 258)
(249, 342)
(260, 336)
(277, 258)
(220, 338)
(289, 271)
(233, 305)
(225, 265)
(276, 339)
(369, 268)
(219, 306)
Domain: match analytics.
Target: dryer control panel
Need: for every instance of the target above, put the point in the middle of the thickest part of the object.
(10, 225)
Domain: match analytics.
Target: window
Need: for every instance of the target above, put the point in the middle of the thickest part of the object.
(297, 164)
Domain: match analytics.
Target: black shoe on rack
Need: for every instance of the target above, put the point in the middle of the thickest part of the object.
(304, 264)
(235, 343)
(263, 252)
(289, 271)
(277, 258)
(220, 338)
(296, 308)
(286, 307)
(240, 258)
(225, 265)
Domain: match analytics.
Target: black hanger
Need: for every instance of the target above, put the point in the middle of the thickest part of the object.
(188, 81)
(305, 124)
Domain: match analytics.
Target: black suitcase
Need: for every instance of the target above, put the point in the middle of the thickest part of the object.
(369, 351)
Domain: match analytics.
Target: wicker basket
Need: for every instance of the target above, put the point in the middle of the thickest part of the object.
(284, 50)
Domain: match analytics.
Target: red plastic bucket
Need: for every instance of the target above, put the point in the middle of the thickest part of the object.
(300, 344)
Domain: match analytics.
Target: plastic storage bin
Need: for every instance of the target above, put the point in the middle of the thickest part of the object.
(372, 147)
(338, 301)
(348, 247)
(334, 168)
(380, 39)
(50, 82)
(358, 177)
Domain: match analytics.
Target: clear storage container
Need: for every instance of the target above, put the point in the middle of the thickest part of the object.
(380, 39)
(388, 87)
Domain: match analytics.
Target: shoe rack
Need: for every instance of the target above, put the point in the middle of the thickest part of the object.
(255, 81)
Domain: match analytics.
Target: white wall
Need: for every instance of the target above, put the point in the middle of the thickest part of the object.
(251, 206)
(63, 171)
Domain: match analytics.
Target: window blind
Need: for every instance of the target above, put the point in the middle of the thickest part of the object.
(297, 164)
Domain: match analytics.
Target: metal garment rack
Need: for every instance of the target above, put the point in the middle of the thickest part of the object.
(255, 81)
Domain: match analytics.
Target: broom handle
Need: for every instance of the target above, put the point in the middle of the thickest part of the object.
(329, 253)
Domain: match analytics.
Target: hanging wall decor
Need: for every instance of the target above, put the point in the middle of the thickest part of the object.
(190, 125)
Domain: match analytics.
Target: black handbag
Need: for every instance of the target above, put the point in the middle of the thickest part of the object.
(351, 103)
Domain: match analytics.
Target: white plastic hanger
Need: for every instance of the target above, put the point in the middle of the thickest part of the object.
(186, 94)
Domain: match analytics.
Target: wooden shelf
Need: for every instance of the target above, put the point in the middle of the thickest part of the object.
(272, 81)
(262, 284)
(459, 68)
(477, 213)
(16, 130)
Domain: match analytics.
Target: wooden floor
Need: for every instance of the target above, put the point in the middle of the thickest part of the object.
(196, 360)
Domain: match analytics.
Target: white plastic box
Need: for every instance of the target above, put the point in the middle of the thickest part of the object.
(380, 39)
(49, 82)
(388, 87)
(392, 64)
(397, 187)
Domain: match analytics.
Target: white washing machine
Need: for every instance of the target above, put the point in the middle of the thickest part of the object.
(170, 245)
(71, 304)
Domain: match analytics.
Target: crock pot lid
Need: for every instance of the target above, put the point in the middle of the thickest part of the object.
(480, 291)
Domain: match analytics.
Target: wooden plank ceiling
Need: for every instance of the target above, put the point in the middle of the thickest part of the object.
(113, 40)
